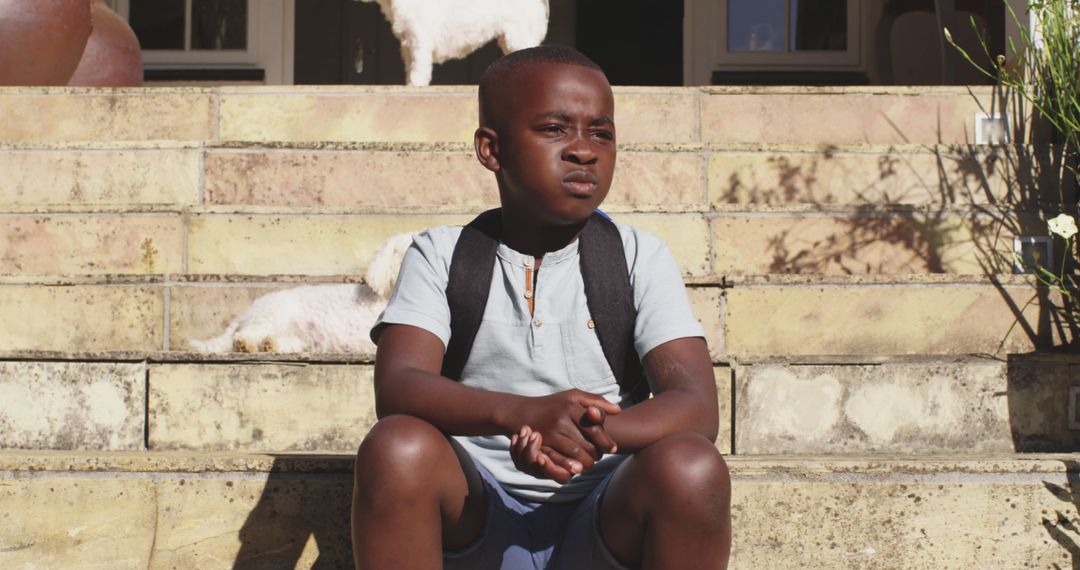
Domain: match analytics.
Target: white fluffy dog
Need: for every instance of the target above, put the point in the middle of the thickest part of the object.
(316, 318)
(433, 31)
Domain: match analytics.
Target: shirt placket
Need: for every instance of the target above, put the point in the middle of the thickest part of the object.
(531, 280)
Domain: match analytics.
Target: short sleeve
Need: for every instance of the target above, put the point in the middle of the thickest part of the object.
(419, 297)
(663, 308)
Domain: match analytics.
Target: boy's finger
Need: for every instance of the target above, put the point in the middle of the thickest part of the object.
(587, 400)
(579, 453)
(553, 466)
(600, 438)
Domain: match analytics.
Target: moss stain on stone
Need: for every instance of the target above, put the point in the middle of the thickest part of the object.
(148, 253)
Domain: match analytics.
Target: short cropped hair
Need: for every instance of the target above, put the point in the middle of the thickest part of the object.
(502, 70)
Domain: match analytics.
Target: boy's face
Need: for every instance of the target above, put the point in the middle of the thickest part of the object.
(556, 143)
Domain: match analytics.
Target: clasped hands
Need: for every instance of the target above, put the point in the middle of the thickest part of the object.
(561, 435)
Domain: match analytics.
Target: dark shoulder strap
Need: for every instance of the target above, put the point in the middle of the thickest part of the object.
(467, 289)
(610, 297)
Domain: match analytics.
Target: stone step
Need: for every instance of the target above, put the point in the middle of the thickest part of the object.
(178, 510)
(713, 115)
(837, 405)
(319, 243)
(443, 177)
(744, 319)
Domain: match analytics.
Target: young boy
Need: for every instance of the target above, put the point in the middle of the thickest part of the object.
(515, 465)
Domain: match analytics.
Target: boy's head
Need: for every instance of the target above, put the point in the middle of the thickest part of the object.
(547, 131)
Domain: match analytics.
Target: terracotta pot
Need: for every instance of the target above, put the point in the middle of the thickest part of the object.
(41, 42)
(112, 57)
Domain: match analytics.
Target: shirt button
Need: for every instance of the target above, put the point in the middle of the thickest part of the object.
(537, 323)
(529, 262)
(591, 324)
(528, 294)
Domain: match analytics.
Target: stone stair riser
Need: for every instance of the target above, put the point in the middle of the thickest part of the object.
(745, 322)
(297, 178)
(270, 407)
(719, 245)
(676, 115)
(784, 517)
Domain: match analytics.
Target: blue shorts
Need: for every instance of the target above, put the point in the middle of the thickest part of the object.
(520, 534)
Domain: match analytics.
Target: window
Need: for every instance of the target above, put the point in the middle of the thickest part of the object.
(253, 36)
(786, 25)
(762, 35)
(201, 32)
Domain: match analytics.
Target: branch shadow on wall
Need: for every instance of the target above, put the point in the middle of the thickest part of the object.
(947, 209)
(925, 209)
(1059, 525)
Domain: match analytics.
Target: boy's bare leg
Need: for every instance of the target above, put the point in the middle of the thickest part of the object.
(669, 506)
(415, 493)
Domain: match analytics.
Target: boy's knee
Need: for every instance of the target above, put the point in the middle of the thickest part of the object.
(397, 446)
(689, 464)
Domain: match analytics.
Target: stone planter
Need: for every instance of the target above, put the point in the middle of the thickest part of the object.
(112, 57)
(41, 42)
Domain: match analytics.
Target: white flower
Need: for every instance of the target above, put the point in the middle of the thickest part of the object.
(1063, 225)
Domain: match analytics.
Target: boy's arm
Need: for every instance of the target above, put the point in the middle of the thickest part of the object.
(681, 376)
(407, 381)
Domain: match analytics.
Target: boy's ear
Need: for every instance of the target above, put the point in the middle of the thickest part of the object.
(486, 141)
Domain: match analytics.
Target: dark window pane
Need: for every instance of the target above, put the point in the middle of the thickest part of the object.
(159, 24)
(756, 25)
(819, 25)
(219, 24)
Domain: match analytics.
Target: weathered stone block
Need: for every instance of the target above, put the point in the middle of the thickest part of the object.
(72, 405)
(400, 115)
(1044, 402)
(657, 181)
(284, 521)
(854, 244)
(349, 179)
(877, 320)
(951, 520)
(869, 175)
(724, 377)
(267, 407)
(97, 115)
(295, 244)
(854, 117)
(948, 407)
(92, 244)
(61, 176)
(652, 115)
(686, 235)
(84, 318)
(708, 305)
(61, 521)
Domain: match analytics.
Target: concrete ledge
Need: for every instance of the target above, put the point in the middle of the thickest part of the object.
(214, 511)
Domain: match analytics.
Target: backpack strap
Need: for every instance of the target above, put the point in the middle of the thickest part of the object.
(610, 298)
(608, 293)
(469, 284)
